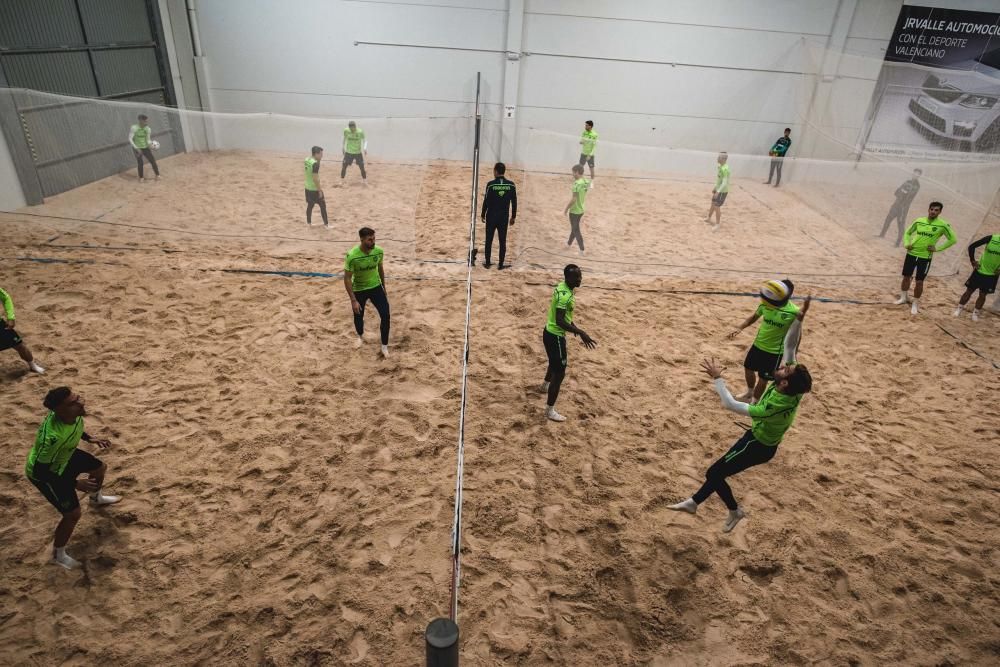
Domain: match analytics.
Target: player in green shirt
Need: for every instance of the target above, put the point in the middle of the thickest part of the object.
(9, 337)
(560, 320)
(720, 191)
(919, 241)
(54, 463)
(770, 419)
(985, 273)
(575, 206)
(588, 144)
(314, 191)
(764, 355)
(364, 281)
(355, 149)
(140, 137)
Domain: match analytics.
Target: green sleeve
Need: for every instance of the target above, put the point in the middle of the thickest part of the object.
(8, 304)
(347, 264)
(909, 230)
(948, 232)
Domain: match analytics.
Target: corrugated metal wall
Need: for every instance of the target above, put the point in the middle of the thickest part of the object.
(104, 49)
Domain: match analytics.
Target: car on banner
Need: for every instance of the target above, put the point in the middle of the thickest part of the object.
(962, 105)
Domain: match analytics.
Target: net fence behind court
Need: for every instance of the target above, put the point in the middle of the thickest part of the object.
(646, 215)
(234, 183)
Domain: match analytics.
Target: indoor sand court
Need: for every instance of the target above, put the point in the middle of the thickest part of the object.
(290, 499)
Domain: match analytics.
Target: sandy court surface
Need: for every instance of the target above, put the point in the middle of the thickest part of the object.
(289, 499)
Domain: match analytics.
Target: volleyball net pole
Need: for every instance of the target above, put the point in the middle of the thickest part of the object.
(456, 531)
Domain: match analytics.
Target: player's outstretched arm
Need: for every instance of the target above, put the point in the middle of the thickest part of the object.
(728, 402)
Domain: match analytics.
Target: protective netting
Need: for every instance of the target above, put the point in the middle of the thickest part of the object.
(830, 217)
(229, 176)
(235, 181)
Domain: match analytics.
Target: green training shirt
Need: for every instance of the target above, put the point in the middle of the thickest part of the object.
(312, 167)
(353, 141)
(589, 142)
(772, 415)
(580, 188)
(989, 263)
(54, 444)
(364, 268)
(924, 233)
(722, 178)
(8, 303)
(771, 334)
(562, 299)
(140, 136)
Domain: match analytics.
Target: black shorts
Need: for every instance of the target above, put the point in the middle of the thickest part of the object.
(312, 197)
(351, 158)
(982, 282)
(555, 349)
(719, 198)
(588, 159)
(8, 338)
(61, 492)
(923, 266)
(764, 363)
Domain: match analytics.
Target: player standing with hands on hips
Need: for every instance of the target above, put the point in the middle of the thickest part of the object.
(919, 240)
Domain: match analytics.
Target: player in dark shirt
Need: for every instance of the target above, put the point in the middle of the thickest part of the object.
(900, 211)
(777, 153)
(500, 199)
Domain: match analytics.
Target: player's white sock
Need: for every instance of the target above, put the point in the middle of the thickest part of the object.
(975, 314)
(913, 307)
(545, 386)
(101, 499)
(689, 506)
(385, 351)
(734, 518)
(359, 341)
(901, 300)
(61, 558)
(958, 311)
(550, 412)
(35, 368)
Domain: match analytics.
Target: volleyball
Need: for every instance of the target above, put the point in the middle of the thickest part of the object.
(154, 145)
(774, 292)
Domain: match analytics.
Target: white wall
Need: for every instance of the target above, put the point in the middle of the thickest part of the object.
(11, 195)
(687, 74)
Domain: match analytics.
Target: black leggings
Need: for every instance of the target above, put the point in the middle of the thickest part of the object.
(381, 303)
(775, 167)
(574, 224)
(353, 157)
(746, 453)
(492, 228)
(312, 199)
(898, 213)
(149, 156)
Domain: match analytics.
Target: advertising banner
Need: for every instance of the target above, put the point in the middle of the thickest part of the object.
(938, 94)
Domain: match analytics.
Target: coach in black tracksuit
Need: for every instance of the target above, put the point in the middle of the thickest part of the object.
(500, 198)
